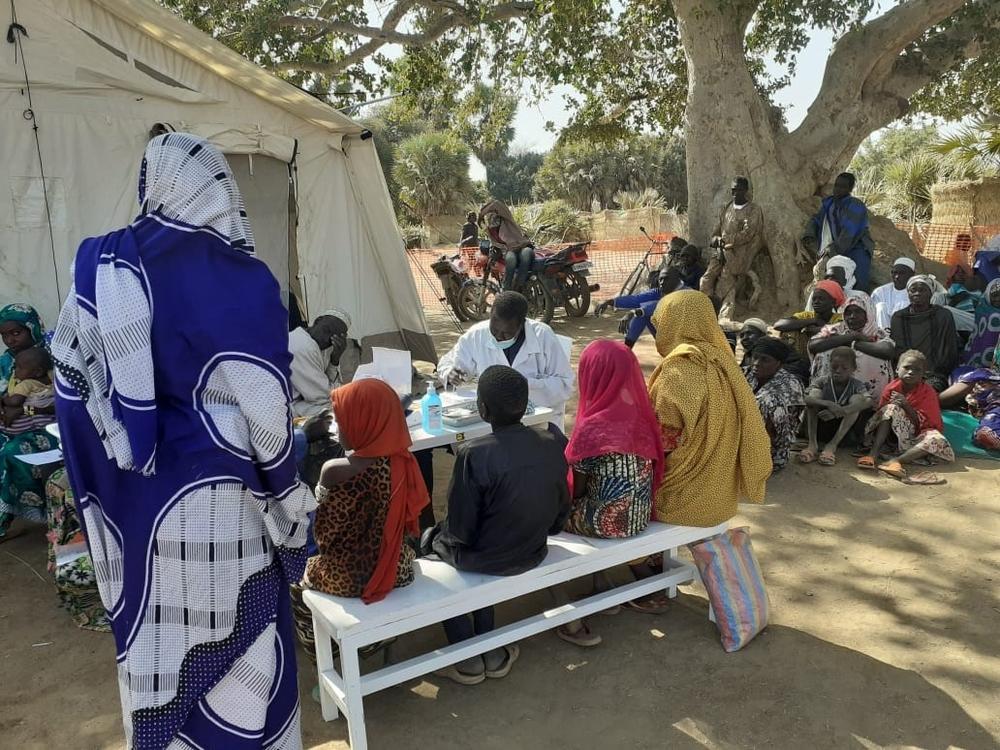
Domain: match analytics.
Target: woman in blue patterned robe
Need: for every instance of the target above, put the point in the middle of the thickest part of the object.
(173, 405)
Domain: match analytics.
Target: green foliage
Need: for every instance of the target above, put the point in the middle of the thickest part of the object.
(590, 174)
(551, 221)
(975, 146)
(511, 178)
(484, 120)
(628, 200)
(892, 145)
(432, 171)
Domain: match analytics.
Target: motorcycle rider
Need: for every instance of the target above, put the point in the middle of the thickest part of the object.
(470, 231)
(507, 236)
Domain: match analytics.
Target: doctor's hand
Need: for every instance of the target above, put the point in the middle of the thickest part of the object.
(456, 377)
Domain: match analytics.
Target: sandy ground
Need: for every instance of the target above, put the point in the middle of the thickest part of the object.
(885, 634)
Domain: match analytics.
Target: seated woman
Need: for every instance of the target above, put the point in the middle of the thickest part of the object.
(797, 329)
(979, 352)
(716, 447)
(834, 402)
(927, 328)
(22, 487)
(369, 500)
(859, 331)
(980, 390)
(960, 296)
(908, 419)
(615, 457)
(779, 396)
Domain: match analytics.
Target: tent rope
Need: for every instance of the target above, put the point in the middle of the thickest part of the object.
(15, 32)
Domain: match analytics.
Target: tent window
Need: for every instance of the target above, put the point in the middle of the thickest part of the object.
(110, 48)
(157, 75)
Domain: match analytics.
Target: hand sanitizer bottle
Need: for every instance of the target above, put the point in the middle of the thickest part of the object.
(430, 410)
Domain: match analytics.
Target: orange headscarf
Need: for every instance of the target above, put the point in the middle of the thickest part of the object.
(370, 416)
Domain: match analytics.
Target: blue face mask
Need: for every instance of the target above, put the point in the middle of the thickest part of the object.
(504, 345)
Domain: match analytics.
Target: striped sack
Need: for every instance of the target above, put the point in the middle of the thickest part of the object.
(735, 586)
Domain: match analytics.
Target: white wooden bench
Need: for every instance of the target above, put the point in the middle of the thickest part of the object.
(440, 592)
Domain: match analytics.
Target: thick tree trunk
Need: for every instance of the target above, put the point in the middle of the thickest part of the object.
(731, 131)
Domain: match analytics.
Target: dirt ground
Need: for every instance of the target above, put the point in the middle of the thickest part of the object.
(885, 634)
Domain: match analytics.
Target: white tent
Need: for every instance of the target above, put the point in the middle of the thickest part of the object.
(101, 73)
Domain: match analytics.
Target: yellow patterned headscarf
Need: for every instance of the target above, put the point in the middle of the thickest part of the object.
(702, 399)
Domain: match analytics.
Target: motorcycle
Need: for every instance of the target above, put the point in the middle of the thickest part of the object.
(453, 275)
(558, 278)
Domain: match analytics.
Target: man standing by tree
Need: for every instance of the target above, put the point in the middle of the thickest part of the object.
(841, 228)
(737, 238)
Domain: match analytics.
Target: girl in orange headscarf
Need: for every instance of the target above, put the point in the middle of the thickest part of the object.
(369, 500)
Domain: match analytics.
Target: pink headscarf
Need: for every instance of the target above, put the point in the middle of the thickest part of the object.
(614, 415)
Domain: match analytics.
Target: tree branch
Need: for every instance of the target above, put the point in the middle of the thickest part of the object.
(875, 69)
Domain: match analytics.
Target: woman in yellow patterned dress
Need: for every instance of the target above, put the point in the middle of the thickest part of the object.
(717, 449)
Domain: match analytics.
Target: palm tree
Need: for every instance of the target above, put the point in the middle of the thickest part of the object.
(976, 145)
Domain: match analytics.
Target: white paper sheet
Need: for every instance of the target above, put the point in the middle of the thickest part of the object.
(40, 459)
(395, 367)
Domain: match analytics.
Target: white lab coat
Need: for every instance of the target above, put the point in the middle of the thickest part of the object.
(541, 359)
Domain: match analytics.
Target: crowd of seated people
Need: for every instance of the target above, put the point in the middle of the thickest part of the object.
(705, 432)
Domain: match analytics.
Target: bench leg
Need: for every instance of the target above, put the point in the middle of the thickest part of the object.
(668, 558)
(324, 663)
(350, 669)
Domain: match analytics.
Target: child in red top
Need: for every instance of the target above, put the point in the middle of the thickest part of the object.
(909, 415)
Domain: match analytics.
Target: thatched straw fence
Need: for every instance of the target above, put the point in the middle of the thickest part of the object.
(967, 202)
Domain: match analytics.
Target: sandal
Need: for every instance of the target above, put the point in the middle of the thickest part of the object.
(582, 637)
(894, 469)
(453, 673)
(806, 456)
(866, 462)
(513, 651)
(827, 458)
(651, 605)
(923, 478)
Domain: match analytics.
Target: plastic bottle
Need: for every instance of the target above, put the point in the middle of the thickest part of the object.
(430, 410)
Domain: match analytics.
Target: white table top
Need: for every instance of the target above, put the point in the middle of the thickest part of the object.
(423, 440)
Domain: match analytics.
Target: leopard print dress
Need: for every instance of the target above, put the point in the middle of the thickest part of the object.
(348, 530)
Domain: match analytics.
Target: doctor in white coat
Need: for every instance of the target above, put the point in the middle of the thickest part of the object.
(509, 338)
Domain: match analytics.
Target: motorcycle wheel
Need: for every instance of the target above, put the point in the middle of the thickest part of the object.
(473, 303)
(541, 306)
(452, 296)
(576, 292)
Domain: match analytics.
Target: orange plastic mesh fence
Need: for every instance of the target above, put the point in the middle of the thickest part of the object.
(614, 261)
(950, 243)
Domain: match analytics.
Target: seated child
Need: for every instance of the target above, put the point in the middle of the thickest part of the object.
(29, 389)
(508, 493)
(909, 415)
(833, 405)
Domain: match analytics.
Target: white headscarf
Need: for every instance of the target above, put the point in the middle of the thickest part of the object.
(848, 266)
(102, 346)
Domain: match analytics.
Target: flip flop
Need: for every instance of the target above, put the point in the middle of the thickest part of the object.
(827, 458)
(582, 637)
(866, 462)
(923, 478)
(893, 468)
(452, 673)
(651, 605)
(806, 456)
(513, 651)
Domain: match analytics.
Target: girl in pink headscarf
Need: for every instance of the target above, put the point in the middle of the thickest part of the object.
(615, 453)
(615, 457)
